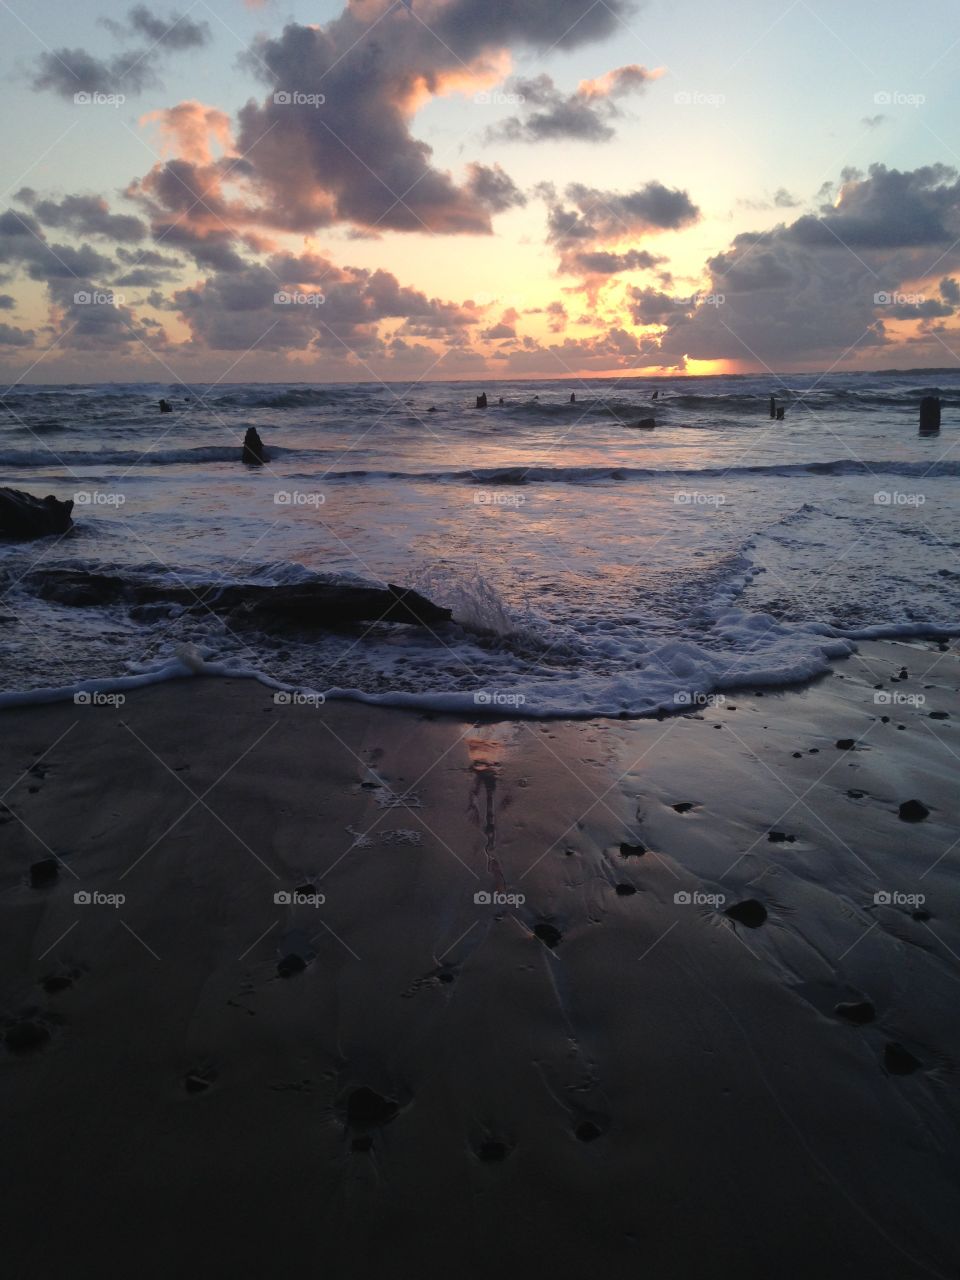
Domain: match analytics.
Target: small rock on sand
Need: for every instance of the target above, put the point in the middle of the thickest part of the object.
(858, 1012)
(683, 807)
(367, 1109)
(625, 890)
(846, 744)
(780, 837)
(899, 1061)
(632, 850)
(290, 965)
(913, 811)
(44, 872)
(549, 934)
(749, 912)
(26, 1036)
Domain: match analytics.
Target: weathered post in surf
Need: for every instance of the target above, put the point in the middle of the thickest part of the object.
(780, 412)
(482, 401)
(254, 454)
(930, 415)
(773, 407)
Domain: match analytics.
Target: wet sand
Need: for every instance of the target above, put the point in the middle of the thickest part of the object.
(600, 1071)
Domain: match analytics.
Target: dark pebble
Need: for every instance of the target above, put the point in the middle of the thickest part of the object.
(798, 755)
(445, 976)
(56, 982)
(290, 965)
(44, 872)
(548, 933)
(900, 1061)
(780, 837)
(625, 890)
(846, 744)
(368, 1110)
(683, 807)
(904, 673)
(884, 719)
(921, 913)
(913, 811)
(632, 850)
(859, 1012)
(856, 795)
(939, 715)
(814, 751)
(749, 912)
(26, 1036)
(491, 1152)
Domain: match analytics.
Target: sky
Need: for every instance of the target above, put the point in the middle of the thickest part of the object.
(246, 190)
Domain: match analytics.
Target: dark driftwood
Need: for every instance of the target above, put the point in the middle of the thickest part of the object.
(24, 516)
(316, 604)
(929, 415)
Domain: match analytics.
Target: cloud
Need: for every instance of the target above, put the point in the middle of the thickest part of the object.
(830, 283)
(603, 216)
(239, 310)
(582, 116)
(85, 215)
(71, 71)
(176, 31)
(7, 302)
(353, 157)
(23, 244)
(888, 210)
(873, 122)
(603, 263)
(10, 336)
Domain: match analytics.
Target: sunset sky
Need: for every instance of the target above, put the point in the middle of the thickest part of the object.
(477, 189)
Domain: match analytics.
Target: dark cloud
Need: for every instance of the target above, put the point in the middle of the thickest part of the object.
(10, 336)
(888, 210)
(23, 244)
(177, 31)
(7, 302)
(86, 216)
(602, 216)
(352, 157)
(68, 72)
(582, 116)
(230, 311)
(828, 283)
(602, 263)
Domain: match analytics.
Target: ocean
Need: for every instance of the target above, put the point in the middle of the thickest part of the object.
(591, 569)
